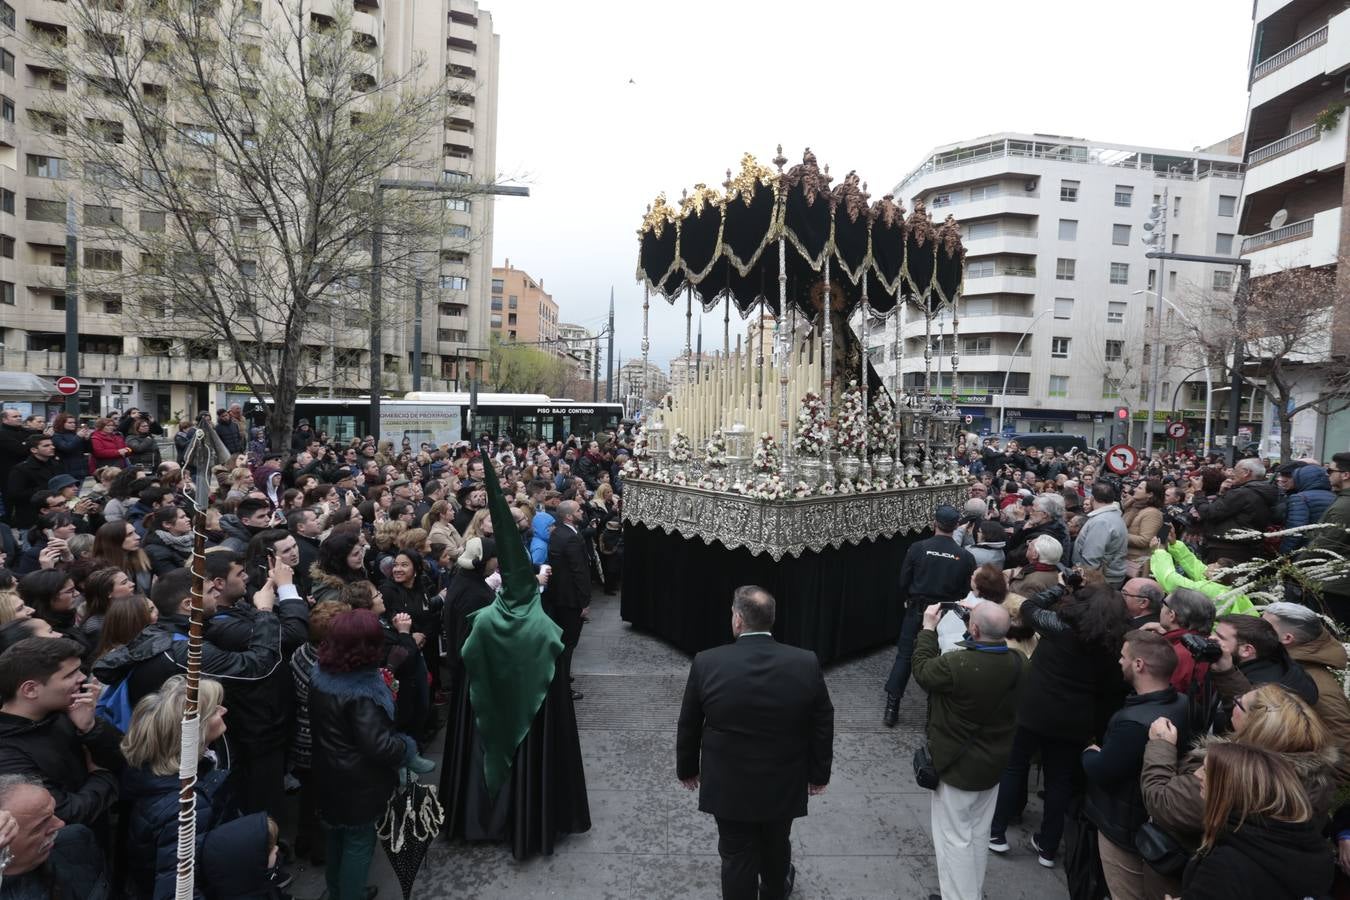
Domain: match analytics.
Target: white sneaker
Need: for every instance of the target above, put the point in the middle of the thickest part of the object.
(998, 844)
(1047, 861)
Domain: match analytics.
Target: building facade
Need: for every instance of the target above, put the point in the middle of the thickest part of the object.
(577, 343)
(121, 364)
(1054, 326)
(521, 310)
(686, 367)
(1295, 194)
(639, 385)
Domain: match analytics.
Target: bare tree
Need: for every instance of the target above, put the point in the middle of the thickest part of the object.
(517, 368)
(236, 157)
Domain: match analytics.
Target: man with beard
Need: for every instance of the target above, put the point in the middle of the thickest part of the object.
(1253, 656)
(252, 516)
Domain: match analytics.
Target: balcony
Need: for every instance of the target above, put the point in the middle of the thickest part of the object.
(1283, 145)
(120, 367)
(1308, 242)
(1298, 49)
(1306, 60)
(1295, 156)
(999, 323)
(1294, 231)
(1008, 239)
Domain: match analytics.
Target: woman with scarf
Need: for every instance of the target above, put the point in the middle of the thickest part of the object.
(408, 589)
(168, 539)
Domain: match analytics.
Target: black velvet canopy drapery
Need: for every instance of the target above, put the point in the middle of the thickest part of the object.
(836, 602)
(720, 245)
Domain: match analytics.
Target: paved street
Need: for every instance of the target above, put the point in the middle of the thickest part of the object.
(867, 837)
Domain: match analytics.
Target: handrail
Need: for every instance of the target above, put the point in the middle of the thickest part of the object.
(1291, 231)
(1289, 54)
(1283, 145)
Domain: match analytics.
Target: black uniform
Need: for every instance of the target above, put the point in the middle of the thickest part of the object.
(936, 570)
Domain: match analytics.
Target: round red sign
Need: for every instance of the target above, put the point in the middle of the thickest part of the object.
(67, 385)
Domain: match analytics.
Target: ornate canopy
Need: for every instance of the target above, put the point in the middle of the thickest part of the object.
(726, 244)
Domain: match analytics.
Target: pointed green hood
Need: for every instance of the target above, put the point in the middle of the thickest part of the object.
(511, 649)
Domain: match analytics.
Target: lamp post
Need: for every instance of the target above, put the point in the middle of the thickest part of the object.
(1003, 395)
(1209, 377)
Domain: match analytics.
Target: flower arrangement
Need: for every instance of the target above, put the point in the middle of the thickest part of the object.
(881, 425)
(812, 430)
(827, 490)
(852, 424)
(801, 489)
(715, 451)
(767, 459)
(846, 486)
(715, 482)
(770, 488)
(680, 451)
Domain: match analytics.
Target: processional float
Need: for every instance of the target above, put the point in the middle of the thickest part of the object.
(783, 441)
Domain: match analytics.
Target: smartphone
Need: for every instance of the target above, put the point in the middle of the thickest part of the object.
(957, 608)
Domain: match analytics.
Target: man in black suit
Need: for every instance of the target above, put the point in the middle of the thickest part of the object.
(755, 737)
(569, 587)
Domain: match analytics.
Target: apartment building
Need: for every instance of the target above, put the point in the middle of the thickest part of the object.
(636, 383)
(1052, 329)
(120, 366)
(577, 343)
(521, 310)
(686, 367)
(1295, 193)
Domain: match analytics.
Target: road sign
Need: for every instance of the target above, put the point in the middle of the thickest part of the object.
(969, 418)
(1122, 459)
(68, 385)
(1177, 431)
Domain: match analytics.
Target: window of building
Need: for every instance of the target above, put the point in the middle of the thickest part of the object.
(984, 191)
(6, 108)
(1152, 279)
(1068, 229)
(102, 216)
(1120, 273)
(1110, 388)
(44, 210)
(454, 283)
(1065, 269)
(1059, 348)
(1115, 312)
(979, 306)
(6, 62)
(248, 223)
(1223, 281)
(1068, 191)
(977, 231)
(1172, 283)
(940, 200)
(976, 346)
(108, 304)
(459, 231)
(1176, 205)
(1176, 243)
(496, 321)
(1115, 350)
(1120, 235)
(458, 204)
(58, 303)
(7, 293)
(498, 285)
(6, 15)
(1124, 195)
(196, 134)
(510, 318)
(513, 301)
(980, 268)
(151, 220)
(6, 246)
(497, 304)
(103, 259)
(1227, 205)
(7, 198)
(1063, 308)
(253, 10)
(1223, 245)
(46, 166)
(1059, 385)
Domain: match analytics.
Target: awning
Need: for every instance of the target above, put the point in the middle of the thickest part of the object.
(25, 386)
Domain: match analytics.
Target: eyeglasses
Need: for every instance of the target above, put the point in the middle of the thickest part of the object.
(1237, 701)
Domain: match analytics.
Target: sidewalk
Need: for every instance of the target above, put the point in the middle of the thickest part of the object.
(867, 837)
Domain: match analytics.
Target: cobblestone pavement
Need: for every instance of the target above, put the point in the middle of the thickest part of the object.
(867, 837)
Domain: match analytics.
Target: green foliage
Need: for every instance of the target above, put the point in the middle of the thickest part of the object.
(519, 369)
(1330, 117)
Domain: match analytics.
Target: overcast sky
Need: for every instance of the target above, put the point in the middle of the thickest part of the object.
(603, 104)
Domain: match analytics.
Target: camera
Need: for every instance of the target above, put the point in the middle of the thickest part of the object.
(962, 612)
(1073, 579)
(1202, 649)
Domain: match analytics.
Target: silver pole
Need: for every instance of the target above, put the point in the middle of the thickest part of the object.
(782, 336)
(863, 365)
(827, 330)
(1157, 339)
(646, 343)
(895, 414)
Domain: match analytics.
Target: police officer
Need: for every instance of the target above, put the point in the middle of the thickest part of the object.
(936, 570)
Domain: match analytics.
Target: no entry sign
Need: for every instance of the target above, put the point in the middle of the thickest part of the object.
(67, 385)
(1122, 459)
(1177, 431)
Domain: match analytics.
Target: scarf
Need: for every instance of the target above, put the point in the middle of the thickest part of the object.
(511, 652)
(180, 542)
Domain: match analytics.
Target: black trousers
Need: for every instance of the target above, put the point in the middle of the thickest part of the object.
(259, 778)
(569, 620)
(755, 858)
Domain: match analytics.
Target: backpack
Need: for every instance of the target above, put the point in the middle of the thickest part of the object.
(114, 704)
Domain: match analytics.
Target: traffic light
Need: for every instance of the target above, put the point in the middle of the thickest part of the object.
(1122, 414)
(1156, 225)
(1120, 434)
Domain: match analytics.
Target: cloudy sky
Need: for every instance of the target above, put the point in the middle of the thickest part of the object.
(603, 104)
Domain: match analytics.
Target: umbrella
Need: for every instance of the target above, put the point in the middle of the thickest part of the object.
(413, 818)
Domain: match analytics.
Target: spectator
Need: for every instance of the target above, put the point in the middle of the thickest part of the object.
(1196, 576)
(72, 446)
(1249, 505)
(118, 545)
(1115, 804)
(27, 478)
(973, 695)
(1260, 838)
(309, 839)
(50, 859)
(1308, 500)
(126, 618)
(52, 595)
(1336, 539)
(1187, 612)
(1143, 515)
(168, 539)
(230, 431)
(100, 588)
(1102, 541)
(1253, 655)
(1041, 571)
(253, 515)
(144, 448)
(1046, 516)
(1322, 656)
(48, 729)
(568, 594)
(305, 527)
(992, 541)
(182, 439)
(1143, 601)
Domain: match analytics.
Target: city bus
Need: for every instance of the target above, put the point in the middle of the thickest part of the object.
(444, 418)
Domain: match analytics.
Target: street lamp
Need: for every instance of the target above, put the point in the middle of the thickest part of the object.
(1155, 236)
(1209, 378)
(1003, 396)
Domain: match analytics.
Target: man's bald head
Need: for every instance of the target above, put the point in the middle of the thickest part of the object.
(567, 510)
(989, 622)
(1143, 596)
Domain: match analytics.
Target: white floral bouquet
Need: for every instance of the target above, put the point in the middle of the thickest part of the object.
(846, 486)
(812, 428)
(881, 425)
(714, 482)
(851, 422)
(680, 451)
(771, 488)
(827, 489)
(715, 451)
(767, 459)
(802, 489)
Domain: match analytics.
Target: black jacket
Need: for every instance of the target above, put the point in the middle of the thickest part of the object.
(1247, 506)
(357, 752)
(13, 450)
(52, 750)
(163, 558)
(570, 585)
(936, 570)
(260, 709)
(237, 534)
(1262, 860)
(757, 727)
(73, 451)
(231, 434)
(25, 480)
(1115, 802)
(1015, 551)
(154, 656)
(416, 602)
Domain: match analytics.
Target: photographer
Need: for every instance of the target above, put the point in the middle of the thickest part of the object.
(1322, 656)
(973, 693)
(1176, 567)
(1252, 656)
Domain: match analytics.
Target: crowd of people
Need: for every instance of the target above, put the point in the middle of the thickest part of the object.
(340, 581)
(1191, 743)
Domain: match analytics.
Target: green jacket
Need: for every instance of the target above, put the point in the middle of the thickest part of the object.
(1163, 564)
(971, 692)
(1336, 540)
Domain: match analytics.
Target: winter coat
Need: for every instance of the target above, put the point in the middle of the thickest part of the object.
(540, 527)
(1163, 565)
(1335, 540)
(468, 593)
(231, 434)
(1101, 544)
(236, 533)
(164, 558)
(325, 587)
(181, 440)
(144, 451)
(302, 668)
(104, 447)
(25, 480)
(988, 553)
(1033, 578)
(1015, 552)
(1262, 860)
(53, 751)
(260, 709)
(1142, 524)
(1321, 658)
(13, 448)
(357, 753)
(1188, 670)
(1249, 506)
(1172, 792)
(1310, 500)
(416, 601)
(73, 451)
(1240, 679)
(972, 696)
